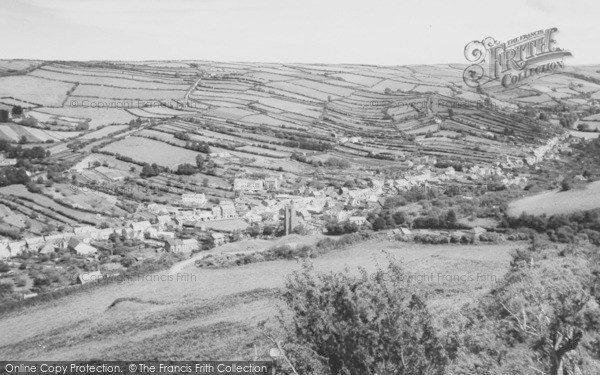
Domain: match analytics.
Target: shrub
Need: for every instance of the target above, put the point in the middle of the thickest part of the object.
(360, 325)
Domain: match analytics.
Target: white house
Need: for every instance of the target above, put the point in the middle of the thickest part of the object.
(84, 249)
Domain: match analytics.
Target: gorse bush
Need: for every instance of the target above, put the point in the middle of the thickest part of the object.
(356, 325)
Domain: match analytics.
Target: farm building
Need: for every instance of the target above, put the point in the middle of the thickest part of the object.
(80, 248)
(47, 249)
(271, 183)
(304, 214)
(227, 210)
(405, 231)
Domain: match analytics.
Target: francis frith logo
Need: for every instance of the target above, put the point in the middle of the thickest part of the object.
(514, 62)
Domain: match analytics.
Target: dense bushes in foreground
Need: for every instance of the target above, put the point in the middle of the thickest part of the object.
(543, 317)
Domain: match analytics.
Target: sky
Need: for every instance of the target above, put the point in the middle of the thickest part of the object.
(378, 32)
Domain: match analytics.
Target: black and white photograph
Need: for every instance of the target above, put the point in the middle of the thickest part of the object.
(292, 187)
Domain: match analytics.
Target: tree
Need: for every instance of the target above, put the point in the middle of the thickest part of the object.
(399, 217)
(565, 185)
(379, 224)
(200, 162)
(150, 170)
(83, 126)
(23, 140)
(360, 325)
(268, 231)
(345, 227)
(542, 318)
(182, 135)
(186, 169)
(548, 307)
(5, 289)
(337, 163)
(584, 127)
(16, 110)
(451, 218)
(253, 231)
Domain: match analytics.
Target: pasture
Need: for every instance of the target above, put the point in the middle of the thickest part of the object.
(15, 132)
(98, 116)
(150, 151)
(558, 202)
(34, 90)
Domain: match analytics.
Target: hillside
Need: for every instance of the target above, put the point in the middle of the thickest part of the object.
(355, 111)
(136, 170)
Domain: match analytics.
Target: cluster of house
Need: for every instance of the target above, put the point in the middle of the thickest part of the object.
(544, 151)
(79, 239)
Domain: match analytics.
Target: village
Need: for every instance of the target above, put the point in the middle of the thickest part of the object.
(260, 208)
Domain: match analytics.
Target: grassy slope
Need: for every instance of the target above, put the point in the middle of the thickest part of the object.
(558, 202)
(214, 316)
